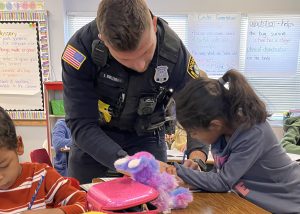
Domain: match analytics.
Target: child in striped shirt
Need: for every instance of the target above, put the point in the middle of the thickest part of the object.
(31, 187)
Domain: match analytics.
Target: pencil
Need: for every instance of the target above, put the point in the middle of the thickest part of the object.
(36, 192)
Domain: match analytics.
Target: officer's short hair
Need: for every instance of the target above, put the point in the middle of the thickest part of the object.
(122, 22)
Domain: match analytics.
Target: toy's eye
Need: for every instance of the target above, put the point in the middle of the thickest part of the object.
(134, 163)
(121, 161)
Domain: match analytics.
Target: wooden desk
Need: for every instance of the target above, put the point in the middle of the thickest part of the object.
(215, 203)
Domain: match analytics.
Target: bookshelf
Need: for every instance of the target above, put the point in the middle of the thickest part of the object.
(53, 91)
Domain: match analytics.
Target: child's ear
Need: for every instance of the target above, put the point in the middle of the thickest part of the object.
(20, 146)
(216, 125)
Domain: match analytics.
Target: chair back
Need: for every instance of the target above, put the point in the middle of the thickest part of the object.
(40, 156)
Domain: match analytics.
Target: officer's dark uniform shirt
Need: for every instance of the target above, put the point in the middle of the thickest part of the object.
(87, 86)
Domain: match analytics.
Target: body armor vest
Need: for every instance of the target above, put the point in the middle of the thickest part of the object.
(135, 101)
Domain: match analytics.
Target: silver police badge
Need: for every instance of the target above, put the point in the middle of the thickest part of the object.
(161, 74)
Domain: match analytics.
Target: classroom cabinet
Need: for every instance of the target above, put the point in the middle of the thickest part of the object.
(53, 95)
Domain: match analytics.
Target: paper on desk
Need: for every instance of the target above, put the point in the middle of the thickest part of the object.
(174, 153)
(294, 157)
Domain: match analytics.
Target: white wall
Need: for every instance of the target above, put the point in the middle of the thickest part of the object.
(56, 25)
(282, 6)
(33, 138)
(57, 9)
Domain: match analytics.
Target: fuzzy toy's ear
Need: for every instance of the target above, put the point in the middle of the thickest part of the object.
(121, 163)
(134, 163)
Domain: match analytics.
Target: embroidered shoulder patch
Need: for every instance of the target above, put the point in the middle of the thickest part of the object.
(193, 69)
(73, 57)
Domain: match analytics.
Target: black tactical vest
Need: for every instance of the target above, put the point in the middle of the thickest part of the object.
(124, 90)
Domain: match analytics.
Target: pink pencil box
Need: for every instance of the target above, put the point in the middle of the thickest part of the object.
(122, 195)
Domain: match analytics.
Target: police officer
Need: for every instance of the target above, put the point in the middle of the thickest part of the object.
(119, 72)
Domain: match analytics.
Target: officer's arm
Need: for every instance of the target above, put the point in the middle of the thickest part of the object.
(81, 106)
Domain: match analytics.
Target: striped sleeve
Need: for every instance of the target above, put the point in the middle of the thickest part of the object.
(61, 194)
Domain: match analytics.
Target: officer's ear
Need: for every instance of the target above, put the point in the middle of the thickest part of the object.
(154, 22)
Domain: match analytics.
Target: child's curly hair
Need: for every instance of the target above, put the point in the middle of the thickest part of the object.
(8, 136)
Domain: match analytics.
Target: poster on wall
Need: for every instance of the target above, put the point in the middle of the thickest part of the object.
(24, 56)
(19, 59)
(214, 41)
(272, 45)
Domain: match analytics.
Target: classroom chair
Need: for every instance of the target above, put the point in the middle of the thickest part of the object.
(40, 156)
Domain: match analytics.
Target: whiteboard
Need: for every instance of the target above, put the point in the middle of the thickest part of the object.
(272, 45)
(20, 83)
(214, 41)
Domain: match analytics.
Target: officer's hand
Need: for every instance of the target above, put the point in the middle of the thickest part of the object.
(171, 170)
(191, 164)
(163, 166)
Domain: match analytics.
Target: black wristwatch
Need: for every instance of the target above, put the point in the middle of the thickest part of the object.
(200, 163)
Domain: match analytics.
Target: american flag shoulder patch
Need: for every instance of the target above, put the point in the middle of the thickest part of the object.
(73, 57)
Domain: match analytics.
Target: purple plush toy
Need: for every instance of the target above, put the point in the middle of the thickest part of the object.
(144, 168)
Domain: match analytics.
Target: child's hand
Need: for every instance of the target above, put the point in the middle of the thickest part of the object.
(191, 164)
(183, 184)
